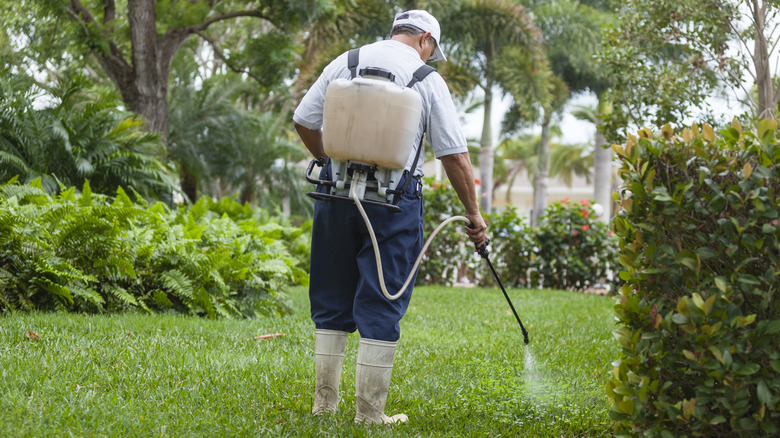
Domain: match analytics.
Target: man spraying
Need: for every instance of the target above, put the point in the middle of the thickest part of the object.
(344, 290)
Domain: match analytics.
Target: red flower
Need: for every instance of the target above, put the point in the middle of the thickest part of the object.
(585, 227)
(477, 181)
(584, 213)
(584, 202)
(566, 199)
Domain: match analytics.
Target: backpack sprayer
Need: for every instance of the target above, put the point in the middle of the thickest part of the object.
(369, 126)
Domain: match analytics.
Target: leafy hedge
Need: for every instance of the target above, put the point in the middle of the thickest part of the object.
(698, 313)
(569, 250)
(573, 251)
(442, 263)
(93, 253)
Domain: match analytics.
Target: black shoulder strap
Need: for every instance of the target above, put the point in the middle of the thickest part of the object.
(352, 61)
(420, 74)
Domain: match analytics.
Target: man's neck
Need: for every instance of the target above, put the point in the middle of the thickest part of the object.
(409, 41)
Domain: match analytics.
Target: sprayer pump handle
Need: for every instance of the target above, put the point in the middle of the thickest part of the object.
(481, 250)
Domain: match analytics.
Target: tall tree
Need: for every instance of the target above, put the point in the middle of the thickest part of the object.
(516, 154)
(133, 43)
(667, 58)
(561, 94)
(349, 24)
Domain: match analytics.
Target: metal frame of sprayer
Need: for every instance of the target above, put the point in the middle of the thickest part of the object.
(373, 183)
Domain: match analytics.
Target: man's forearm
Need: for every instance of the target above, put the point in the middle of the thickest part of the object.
(458, 168)
(312, 140)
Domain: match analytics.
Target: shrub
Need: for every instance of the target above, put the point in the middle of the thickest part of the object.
(511, 249)
(573, 251)
(89, 252)
(698, 314)
(569, 250)
(449, 251)
(82, 135)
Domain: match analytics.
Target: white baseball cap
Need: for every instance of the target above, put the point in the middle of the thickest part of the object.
(425, 22)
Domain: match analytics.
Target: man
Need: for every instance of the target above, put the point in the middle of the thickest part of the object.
(344, 289)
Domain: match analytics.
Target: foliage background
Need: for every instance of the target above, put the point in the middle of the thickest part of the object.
(92, 253)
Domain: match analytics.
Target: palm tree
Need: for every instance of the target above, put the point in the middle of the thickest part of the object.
(230, 150)
(350, 24)
(259, 165)
(567, 160)
(572, 34)
(486, 34)
(515, 154)
(603, 179)
(201, 122)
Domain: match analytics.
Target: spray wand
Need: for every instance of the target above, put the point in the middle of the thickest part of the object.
(483, 251)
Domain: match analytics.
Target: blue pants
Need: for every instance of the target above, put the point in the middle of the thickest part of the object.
(344, 290)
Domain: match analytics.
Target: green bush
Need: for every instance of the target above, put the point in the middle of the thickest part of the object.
(698, 314)
(81, 135)
(89, 252)
(569, 250)
(572, 250)
(511, 251)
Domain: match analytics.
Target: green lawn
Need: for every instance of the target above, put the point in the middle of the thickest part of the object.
(461, 370)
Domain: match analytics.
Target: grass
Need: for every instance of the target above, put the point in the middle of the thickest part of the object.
(461, 370)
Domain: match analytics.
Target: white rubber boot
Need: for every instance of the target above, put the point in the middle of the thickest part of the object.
(329, 346)
(372, 380)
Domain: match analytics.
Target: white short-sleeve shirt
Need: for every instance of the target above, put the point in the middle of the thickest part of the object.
(439, 117)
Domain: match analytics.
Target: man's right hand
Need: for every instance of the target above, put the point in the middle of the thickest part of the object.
(476, 231)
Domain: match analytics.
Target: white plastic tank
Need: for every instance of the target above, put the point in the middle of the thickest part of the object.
(372, 121)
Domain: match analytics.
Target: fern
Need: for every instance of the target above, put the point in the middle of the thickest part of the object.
(120, 293)
(90, 297)
(179, 284)
(90, 252)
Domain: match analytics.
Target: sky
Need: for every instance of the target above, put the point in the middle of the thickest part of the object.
(574, 131)
(577, 131)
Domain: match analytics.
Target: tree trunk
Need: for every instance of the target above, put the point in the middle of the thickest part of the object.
(188, 185)
(246, 195)
(486, 151)
(542, 170)
(602, 165)
(761, 63)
